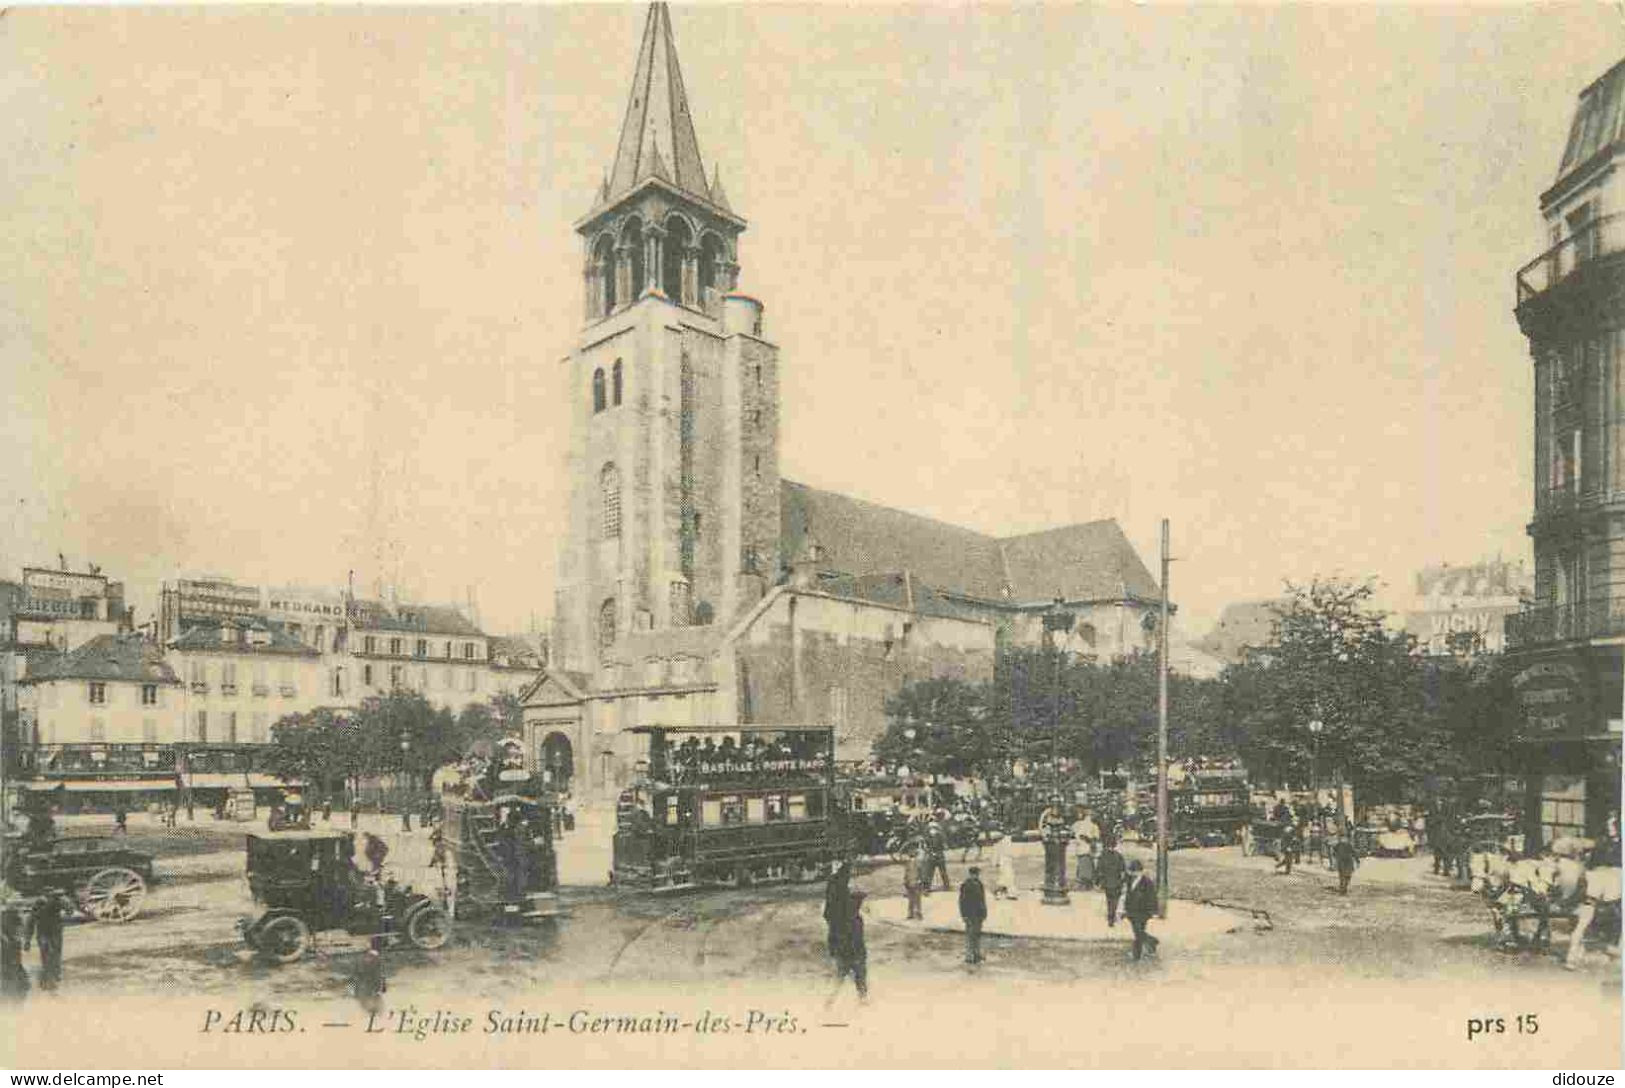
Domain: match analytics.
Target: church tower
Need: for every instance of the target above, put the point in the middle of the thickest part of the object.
(673, 397)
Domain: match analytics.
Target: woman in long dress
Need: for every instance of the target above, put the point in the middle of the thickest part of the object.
(1004, 884)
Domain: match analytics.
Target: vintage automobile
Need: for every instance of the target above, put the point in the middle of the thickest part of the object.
(308, 883)
(107, 880)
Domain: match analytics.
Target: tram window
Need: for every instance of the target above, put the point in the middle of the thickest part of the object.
(711, 812)
(798, 806)
(756, 810)
(776, 808)
(733, 810)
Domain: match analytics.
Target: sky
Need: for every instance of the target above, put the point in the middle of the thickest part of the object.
(285, 293)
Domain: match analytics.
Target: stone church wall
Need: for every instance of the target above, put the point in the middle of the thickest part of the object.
(816, 659)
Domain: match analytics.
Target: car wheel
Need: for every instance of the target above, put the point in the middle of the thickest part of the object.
(283, 939)
(429, 928)
(113, 895)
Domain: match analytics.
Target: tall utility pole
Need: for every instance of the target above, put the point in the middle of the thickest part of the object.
(1162, 737)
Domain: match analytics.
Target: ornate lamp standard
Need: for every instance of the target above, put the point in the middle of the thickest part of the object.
(1056, 829)
(1315, 727)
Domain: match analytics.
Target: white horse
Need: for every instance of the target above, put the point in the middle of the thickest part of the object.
(1598, 888)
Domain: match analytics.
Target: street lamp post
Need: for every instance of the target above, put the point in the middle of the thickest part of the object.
(406, 755)
(1315, 726)
(1056, 829)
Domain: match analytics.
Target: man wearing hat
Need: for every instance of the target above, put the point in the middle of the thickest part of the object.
(1139, 905)
(973, 909)
(852, 955)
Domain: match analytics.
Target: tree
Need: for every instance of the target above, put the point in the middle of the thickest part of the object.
(318, 747)
(1334, 661)
(938, 726)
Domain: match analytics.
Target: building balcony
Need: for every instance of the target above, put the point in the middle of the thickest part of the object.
(1565, 622)
(262, 690)
(1602, 237)
(228, 689)
(199, 687)
(288, 691)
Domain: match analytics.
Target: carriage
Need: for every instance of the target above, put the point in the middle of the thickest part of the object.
(308, 883)
(728, 806)
(106, 881)
(506, 862)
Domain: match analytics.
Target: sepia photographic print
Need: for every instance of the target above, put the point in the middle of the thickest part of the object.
(772, 536)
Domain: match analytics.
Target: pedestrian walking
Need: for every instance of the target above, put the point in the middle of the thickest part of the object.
(913, 869)
(973, 909)
(1004, 871)
(355, 812)
(1289, 849)
(14, 984)
(1139, 905)
(936, 843)
(1442, 846)
(1247, 839)
(327, 810)
(369, 982)
(853, 957)
(1347, 861)
(1110, 873)
(1087, 835)
(837, 906)
(45, 926)
(121, 821)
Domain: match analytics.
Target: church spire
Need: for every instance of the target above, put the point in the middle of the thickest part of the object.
(657, 137)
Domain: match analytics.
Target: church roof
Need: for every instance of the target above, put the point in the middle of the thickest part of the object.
(1090, 561)
(858, 537)
(657, 136)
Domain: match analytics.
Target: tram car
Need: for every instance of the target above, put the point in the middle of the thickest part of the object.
(1212, 805)
(728, 806)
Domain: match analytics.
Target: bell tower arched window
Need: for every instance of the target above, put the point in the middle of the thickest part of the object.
(609, 490)
(679, 240)
(598, 390)
(615, 383)
(606, 624)
(710, 264)
(632, 244)
(604, 266)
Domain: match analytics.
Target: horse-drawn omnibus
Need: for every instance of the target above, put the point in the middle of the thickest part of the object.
(730, 806)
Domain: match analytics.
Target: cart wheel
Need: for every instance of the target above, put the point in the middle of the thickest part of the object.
(283, 939)
(113, 895)
(429, 928)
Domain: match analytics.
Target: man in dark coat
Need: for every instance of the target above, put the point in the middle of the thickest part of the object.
(838, 907)
(1344, 858)
(45, 926)
(973, 909)
(1109, 874)
(1139, 905)
(854, 955)
(936, 843)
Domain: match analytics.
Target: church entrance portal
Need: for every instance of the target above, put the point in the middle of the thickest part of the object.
(558, 760)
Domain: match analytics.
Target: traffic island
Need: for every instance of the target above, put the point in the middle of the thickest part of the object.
(1083, 919)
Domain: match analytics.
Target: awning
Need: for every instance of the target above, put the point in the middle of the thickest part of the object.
(237, 780)
(103, 785)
